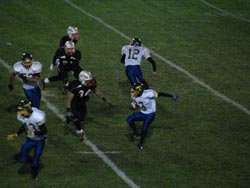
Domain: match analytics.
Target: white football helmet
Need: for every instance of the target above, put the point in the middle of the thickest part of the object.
(69, 48)
(85, 76)
(69, 44)
(71, 30)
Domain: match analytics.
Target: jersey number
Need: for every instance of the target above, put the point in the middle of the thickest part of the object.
(81, 93)
(133, 54)
(142, 106)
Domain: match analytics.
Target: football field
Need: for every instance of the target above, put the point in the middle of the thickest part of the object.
(202, 52)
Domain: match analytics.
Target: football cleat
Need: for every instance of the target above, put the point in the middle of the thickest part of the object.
(133, 137)
(140, 146)
(81, 135)
(34, 173)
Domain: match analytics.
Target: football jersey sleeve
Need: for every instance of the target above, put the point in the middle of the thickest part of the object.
(36, 67)
(17, 67)
(146, 53)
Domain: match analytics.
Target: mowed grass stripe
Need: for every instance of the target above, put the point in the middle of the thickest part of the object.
(168, 62)
(94, 148)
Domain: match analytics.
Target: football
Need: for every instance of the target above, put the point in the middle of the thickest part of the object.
(133, 106)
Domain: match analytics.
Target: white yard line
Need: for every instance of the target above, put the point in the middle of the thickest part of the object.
(106, 152)
(94, 148)
(225, 12)
(168, 62)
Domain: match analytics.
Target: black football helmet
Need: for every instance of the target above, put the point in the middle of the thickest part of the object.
(24, 108)
(27, 60)
(137, 90)
(136, 42)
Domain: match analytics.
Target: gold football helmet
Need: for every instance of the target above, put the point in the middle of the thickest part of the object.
(137, 90)
(27, 60)
(136, 42)
(24, 108)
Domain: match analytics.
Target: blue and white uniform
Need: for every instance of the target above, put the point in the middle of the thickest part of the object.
(147, 105)
(34, 127)
(133, 58)
(31, 89)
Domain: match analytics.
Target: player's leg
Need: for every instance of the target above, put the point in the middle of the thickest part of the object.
(137, 116)
(38, 150)
(79, 113)
(24, 152)
(148, 119)
(140, 77)
(130, 73)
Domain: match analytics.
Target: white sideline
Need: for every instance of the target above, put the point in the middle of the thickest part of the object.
(97, 151)
(168, 62)
(223, 11)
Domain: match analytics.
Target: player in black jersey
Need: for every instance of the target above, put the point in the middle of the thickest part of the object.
(66, 60)
(78, 94)
(72, 35)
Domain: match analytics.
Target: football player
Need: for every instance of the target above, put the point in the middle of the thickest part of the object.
(33, 124)
(66, 60)
(29, 72)
(72, 35)
(145, 100)
(132, 56)
(78, 94)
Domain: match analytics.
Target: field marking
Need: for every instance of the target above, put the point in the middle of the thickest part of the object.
(225, 12)
(94, 148)
(106, 152)
(170, 63)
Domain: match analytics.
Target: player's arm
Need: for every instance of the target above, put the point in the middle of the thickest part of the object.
(15, 135)
(123, 55)
(42, 130)
(163, 94)
(150, 59)
(62, 42)
(123, 58)
(11, 80)
(55, 59)
(101, 95)
(34, 78)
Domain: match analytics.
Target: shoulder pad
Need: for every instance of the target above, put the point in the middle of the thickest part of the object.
(36, 67)
(39, 115)
(18, 66)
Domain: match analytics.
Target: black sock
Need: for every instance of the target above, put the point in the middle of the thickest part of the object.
(143, 135)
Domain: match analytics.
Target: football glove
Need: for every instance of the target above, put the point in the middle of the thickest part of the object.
(107, 101)
(10, 86)
(11, 136)
(175, 97)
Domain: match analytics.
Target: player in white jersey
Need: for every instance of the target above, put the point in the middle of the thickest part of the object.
(33, 124)
(29, 72)
(132, 56)
(145, 100)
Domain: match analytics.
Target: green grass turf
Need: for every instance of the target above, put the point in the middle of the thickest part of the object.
(200, 141)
